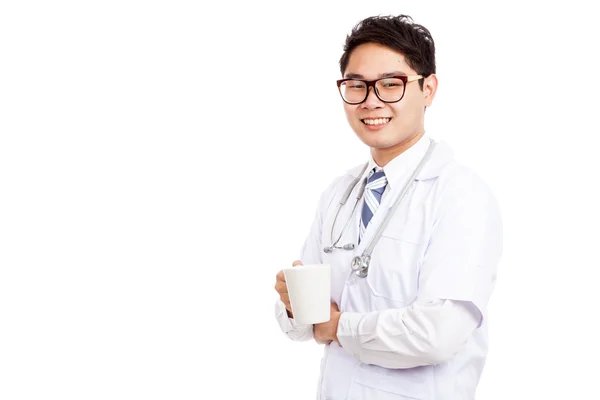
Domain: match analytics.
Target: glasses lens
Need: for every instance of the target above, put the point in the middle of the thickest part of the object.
(353, 91)
(390, 89)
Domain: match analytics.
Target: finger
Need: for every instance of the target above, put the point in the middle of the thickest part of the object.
(285, 298)
(280, 276)
(281, 287)
(297, 262)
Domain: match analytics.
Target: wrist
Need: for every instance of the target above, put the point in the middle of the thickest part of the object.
(335, 323)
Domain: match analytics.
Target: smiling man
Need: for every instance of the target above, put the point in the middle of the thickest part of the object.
(412, 236)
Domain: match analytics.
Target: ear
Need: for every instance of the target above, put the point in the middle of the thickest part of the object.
(430, 85)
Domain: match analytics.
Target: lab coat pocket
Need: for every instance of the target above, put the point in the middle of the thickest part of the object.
(394, 270)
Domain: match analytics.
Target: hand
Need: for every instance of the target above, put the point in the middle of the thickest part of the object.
(326, 332)
(281, 288)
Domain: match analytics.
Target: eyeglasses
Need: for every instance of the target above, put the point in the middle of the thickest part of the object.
(388, 90)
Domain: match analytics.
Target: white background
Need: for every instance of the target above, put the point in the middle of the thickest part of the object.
(157, 170)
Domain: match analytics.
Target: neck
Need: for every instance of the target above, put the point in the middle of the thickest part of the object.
(384, 156)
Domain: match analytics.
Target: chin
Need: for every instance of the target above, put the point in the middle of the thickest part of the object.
(377, 143)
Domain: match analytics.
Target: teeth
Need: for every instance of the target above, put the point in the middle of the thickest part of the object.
(378, 121)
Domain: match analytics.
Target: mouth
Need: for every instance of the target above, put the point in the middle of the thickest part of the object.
(375, 123)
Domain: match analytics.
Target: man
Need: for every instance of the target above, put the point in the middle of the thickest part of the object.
(413, 323)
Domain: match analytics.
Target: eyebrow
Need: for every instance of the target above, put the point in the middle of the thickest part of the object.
(384, 75)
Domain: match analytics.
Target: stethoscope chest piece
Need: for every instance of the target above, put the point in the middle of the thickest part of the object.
(360, 265)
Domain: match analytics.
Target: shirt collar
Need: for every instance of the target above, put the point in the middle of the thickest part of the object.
(397, 168)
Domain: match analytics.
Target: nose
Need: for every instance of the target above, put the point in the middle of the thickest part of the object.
(372, 100)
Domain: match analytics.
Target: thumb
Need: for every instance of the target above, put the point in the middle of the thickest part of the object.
(297, 262)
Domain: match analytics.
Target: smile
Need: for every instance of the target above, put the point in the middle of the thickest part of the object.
(376, 121)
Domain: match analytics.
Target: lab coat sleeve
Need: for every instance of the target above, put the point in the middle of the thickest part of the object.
(456, 278)
(288, 326)
(311, 253)
(425, 333)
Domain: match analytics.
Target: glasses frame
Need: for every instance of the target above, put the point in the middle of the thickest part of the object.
(404, 78)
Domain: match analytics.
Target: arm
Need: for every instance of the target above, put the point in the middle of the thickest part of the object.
(424, 333)
(455, 282)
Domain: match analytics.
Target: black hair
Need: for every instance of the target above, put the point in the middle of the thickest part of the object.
(398, 33)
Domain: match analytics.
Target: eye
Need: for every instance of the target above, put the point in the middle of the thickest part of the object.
(390, 84)
(358, 85)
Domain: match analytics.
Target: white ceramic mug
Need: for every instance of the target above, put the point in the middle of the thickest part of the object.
(309, 288)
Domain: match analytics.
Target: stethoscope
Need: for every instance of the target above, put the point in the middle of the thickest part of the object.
(360, 264)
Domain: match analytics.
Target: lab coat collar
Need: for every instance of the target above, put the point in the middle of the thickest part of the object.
(408, 161)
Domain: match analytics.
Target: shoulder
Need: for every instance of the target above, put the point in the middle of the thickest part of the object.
(461, 190)
(452, 173)
(462, 178)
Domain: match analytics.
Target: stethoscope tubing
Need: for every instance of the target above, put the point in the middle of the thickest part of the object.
(360, 264)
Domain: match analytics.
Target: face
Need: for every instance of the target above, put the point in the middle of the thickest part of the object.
(387, 128)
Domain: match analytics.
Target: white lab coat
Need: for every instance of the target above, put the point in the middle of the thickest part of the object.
(416, 326)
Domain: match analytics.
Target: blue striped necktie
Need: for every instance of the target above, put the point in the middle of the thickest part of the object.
(373, 192)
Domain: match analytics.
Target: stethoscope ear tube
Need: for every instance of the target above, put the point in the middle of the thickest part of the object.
(353, 185)
(347, 246)
(345, 197)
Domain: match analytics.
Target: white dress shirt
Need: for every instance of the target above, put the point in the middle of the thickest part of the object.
(416, 325)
